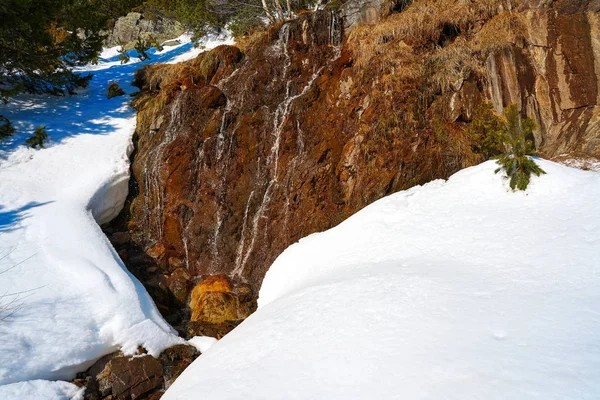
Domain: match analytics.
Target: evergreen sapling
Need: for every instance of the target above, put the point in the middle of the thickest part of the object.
(40, 136)
(516, 160)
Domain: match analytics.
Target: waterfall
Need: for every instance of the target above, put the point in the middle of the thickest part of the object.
(272, 162)
(154, 165)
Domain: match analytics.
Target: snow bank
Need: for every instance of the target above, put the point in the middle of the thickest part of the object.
(202, 343)
(454, 290)
(66, 296)
(208, 42)
(39, 389)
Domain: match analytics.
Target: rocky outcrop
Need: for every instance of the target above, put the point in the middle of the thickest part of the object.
(243, 151)
(127, 29)
(358, 12)
(554, 76)
(119, 377)
(227, 175)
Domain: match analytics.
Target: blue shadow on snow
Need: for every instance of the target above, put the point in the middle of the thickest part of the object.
(88, 112)
(9, 219)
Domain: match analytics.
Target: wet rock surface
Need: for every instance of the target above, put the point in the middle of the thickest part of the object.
(241, 153)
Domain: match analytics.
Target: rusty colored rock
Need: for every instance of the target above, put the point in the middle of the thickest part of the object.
(291, 138)
(215, 283)
(120, 238)
(214, 301)
(156, 251)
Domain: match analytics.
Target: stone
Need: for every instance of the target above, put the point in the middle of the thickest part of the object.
(133, 377)
(214, 283)
(120, 238)
(357, 12)
(176, 359)
(212, 97)
(156, 251)
(259, 151)
(171, 43)
(218, 306)
(215, 307)
(128, 28)
(114, 90)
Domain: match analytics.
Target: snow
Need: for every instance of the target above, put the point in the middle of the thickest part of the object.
(66, 298)
(208, 42)
(458, 289)
(202, 343)
(39, 389)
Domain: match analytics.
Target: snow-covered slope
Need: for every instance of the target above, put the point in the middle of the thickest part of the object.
(454, 290)
(65, 297)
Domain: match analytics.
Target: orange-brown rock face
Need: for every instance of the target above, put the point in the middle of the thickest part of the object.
(239, 155)
(555, 75)
(267, 149)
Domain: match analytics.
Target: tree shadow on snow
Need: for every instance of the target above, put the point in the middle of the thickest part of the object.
(87, 112)
(10, 219)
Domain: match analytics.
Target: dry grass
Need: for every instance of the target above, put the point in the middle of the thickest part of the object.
(439, 43)
(423, 24)
(449, 66)
(503, 30)
(258, 39)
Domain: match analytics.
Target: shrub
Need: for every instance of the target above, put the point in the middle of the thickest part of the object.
(142, 46)
(516, 161)
(486, 132)
(40, 136)
(123, 56)
(154, 42)
(6, 128)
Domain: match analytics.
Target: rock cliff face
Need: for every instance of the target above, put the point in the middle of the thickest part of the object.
(554, 76)
(240, 153)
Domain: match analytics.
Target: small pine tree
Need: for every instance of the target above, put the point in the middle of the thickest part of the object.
(40, 136)
(123, 56)
(6, 128)
(155, 43)
(142, 46)
(516, 161)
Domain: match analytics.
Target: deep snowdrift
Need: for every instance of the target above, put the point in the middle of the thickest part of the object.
(65, 297)
(454, 290)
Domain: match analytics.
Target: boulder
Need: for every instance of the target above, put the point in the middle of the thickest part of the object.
(120, 377)
(357, 12)
(132, 377)
(175, 359)
(114, 90)
(128, 28)
(217, 306)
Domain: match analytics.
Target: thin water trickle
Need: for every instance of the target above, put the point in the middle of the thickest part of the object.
(272, 162)
(154, 165)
